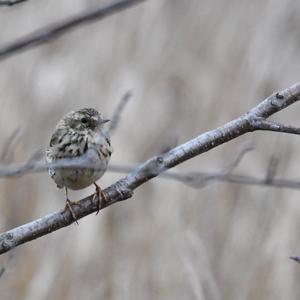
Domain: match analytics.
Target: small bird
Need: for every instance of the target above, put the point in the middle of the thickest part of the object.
(80, 134)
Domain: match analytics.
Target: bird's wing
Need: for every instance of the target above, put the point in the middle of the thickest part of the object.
(67, 143)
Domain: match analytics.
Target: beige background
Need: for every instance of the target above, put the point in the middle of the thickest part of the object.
(192, 66)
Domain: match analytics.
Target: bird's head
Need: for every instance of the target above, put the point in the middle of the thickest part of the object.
(84, 119)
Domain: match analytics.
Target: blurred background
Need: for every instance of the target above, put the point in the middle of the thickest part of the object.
(191, 66)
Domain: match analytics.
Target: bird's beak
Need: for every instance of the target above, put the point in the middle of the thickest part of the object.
(104, 121)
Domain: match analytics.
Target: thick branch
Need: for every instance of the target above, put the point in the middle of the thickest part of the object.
(45, 35)
(123, 189)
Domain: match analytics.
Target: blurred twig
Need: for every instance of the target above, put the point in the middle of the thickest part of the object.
(114, 122)
(193, 179)
(236, 160)
(200, 180)
(34, 165)
(295, 258)
(47, 34)
(6, 263)
(10, 2)
(272, 168)
(5, 157)
(123, 189)
(9, 146)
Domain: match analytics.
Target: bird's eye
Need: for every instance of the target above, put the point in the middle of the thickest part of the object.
(84, 120)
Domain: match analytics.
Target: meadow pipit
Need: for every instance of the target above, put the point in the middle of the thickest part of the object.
(80, 134)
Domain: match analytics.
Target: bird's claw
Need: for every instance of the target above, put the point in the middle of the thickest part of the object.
(99, 197)
(69, 207)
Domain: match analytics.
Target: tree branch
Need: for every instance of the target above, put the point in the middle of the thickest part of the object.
(295, 258)
(12, 141)
(6, 263)
(47, 34)
(10, 2)
(262, 124)
(200, 180)
(123, 189)
(115, 119)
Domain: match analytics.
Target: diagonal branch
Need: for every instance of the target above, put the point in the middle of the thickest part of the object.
(12, 141)
(262, 124)
(10, 2)
(123, 189)
(47, 34)
(234, 163)
(6, 263)
(115, 119)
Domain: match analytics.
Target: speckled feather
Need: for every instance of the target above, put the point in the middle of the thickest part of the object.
(75, 134)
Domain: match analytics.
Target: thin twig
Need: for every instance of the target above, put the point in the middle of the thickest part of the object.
(123, 189)
(47, 34)
(5, 157)
(234, 163)
(193, 179)
(272, 168)
(6, 263)
(262, 124)
(33, 165)
(199, 180)
(114, 122)
(9, 145)
(10, 2)
(295, 258)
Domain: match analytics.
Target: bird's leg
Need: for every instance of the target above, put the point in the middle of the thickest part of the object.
(68, 206)
(99, 196)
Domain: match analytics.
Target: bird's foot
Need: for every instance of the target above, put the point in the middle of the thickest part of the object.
(99, 197)
(69, 207)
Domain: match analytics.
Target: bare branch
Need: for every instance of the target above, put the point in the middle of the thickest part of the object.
(5, 157)
(123, 189)
(199, 180)
(47, 34)
(272, 168)
(295, 258)
(10, 2)
(10, 145)
(202, 179)
(33, 165)
(6, 263)
(114, 122)
(234, 163)
(193, 179)
(262, 124)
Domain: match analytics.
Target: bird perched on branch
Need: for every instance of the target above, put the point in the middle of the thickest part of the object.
(80, 134)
